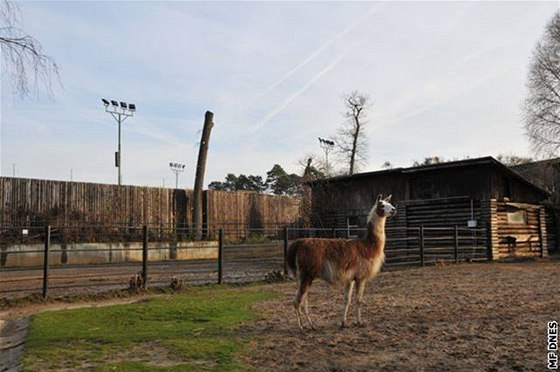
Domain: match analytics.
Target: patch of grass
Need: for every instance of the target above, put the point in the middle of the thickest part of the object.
(256, 238)
(193, 330)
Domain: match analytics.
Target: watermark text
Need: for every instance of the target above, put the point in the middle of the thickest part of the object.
(552, 345)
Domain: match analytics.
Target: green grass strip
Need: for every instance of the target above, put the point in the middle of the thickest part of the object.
(194, 330)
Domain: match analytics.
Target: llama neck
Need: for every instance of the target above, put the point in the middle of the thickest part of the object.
(375, 232)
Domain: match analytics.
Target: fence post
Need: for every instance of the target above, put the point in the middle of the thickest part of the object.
(286, 251)
(456, 244)
(221, 257)
(421, 235)
(333, 232)
(46, 262)
(144, 256)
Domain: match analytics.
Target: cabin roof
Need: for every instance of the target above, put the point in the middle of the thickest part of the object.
(487, 160)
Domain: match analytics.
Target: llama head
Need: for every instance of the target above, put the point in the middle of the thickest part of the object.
(383, 207)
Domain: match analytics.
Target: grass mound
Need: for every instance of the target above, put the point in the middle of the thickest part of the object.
(194, 330)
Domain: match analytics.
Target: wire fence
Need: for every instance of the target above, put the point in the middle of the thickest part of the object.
(47, 261)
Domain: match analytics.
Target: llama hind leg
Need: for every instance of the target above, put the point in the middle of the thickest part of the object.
(298, 316)
(348, 288)
(306, 310)
(301, 295)
(360, 287)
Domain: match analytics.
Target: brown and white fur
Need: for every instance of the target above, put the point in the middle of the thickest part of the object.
(341, 261)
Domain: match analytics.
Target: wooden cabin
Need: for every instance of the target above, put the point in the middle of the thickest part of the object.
(479, 194)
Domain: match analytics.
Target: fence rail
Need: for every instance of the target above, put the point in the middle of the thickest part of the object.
(52, 264)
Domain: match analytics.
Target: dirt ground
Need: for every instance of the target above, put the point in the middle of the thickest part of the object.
(488, 316)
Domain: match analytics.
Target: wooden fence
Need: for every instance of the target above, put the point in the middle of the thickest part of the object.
(53, 268)
(225, 209)
(33, 202)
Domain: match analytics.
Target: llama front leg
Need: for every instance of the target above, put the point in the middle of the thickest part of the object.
(361, 286)
(348, 288)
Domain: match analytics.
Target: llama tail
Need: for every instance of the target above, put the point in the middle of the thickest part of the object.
(291, 256)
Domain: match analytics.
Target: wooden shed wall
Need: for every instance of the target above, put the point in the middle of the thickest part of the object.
(447, 212)
(504, 185)
(334, 201)
(471, 181)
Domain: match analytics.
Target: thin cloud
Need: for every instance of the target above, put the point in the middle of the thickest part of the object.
(258, 126)
(323, 47)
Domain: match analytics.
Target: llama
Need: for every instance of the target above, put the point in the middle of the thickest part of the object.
(341, 261)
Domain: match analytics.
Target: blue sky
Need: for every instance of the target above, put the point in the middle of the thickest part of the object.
(446, 78)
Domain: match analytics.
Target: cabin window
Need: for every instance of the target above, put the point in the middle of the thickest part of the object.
(517, 217)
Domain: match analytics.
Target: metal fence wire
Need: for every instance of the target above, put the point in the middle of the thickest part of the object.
(48, 261)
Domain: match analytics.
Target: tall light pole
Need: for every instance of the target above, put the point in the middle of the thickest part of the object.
(120, 111)
(327, 146)
(177, 168)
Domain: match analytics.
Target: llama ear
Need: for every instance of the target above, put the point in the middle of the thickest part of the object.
(378, 199)
(388, 199)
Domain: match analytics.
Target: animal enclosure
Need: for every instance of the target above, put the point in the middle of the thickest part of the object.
(77, 269)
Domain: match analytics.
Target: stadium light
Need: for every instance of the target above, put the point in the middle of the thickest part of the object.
(177, 168)
(120, 114)
(327, 146)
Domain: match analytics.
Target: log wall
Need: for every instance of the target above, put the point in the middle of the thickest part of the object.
(520, 239)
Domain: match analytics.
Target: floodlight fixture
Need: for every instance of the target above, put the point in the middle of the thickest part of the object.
(120, 112)
(177, 168)
(327, 146)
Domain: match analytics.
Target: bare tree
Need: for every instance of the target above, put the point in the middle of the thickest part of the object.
(351, 139)
(25, 63)
(542, 106)
(311, 166)
(429, 161)
(387, 165)
(197, 218)
(513, 160)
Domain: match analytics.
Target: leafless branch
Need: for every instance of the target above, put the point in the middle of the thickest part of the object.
(542, 105)
(28, 67)
(351, 137)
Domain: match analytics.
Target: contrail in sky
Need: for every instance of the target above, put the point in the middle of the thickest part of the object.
(298, 93)
(323, 47)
